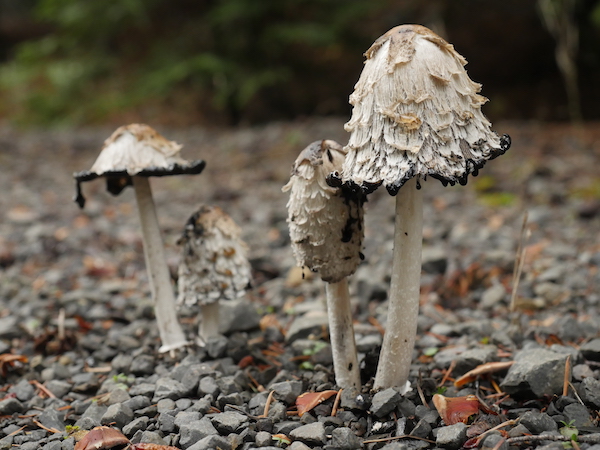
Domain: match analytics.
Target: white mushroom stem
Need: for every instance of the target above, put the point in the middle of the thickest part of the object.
(403, 308)
(341, 334)
(171, 334)
(209, 323)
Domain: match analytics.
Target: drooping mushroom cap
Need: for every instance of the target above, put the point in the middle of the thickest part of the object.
(326, 223)
(214, 264)
(135, 149)
(416, 112)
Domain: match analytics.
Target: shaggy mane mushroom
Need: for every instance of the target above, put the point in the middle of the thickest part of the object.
(416, 113)
(129, 156)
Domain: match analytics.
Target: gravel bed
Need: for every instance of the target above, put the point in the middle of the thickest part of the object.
(78, 341)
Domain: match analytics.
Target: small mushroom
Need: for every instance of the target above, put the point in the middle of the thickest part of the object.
(326, 231)
(214, 265)
(416, 113)
(131, 155)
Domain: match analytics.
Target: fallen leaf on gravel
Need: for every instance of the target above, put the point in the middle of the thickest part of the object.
(8, 360)
(482, 369)
(453, 410)
(102, 438)
(307, 401)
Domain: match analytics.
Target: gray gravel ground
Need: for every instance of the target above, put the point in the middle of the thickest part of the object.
(87, 266)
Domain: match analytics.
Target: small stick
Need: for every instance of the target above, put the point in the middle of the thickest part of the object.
(566, 379)
(61, 324)
(519, 262)
(336, 403)
(42, 388)
(49, 430)
(268, 404)
(394, 438)
(448, 373)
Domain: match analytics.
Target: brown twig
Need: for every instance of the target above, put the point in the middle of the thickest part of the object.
(394, 438)
(519, 262)
(268, 404)
(586, 439)
(42, 388)
(336, 403)
(567, 376)
(448, 373)
(48, 429)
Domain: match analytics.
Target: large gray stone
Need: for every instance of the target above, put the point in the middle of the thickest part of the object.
(311, 323)
(452, 436)
(195, 431)
(589, 391)
(345, 439)
(591, 350)
(384, 402)
(313, 433)
(287, 391)
(538, 422)
(536, 372)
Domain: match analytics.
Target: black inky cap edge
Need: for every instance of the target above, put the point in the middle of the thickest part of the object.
(117, 180)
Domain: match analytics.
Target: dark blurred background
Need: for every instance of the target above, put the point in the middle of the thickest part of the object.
(228, 62)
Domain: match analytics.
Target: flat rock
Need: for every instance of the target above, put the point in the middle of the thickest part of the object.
(311, 323)
(451, 436)
(313, 433)
(536, 372)
(384, 402)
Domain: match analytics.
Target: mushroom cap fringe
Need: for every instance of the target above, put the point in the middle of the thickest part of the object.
(214, 264)
(135, 150)
(325, 222)
(416, 112)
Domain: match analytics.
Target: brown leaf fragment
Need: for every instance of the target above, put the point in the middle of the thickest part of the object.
(482, 369)
(102, 438)
(148, 446)
(307, 401)
(456, 409)
(10, 360)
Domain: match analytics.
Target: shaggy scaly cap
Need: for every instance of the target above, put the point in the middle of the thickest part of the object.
(214, 264)
(416, 113)
(326, 224)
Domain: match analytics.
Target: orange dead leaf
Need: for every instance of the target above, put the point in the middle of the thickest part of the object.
(8, 360)
(456, 409)
(102, 438)
(307, 401)
(246, 361)
(482, 369)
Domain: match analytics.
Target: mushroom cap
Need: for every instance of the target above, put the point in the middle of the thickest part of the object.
(214, 264)
(135, 149)
(325, 222)
(416, 112)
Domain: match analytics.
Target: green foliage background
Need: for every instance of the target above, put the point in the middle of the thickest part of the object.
(246, 61)
(104, 56)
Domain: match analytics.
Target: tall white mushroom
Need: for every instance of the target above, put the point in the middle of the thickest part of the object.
(214, 265)
(326, 231)
(129, 156)
(416, 113)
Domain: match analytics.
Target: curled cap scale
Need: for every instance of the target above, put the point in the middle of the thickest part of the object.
(416, 112)
(325, 222)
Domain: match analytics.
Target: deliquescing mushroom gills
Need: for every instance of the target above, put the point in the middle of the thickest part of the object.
(214, 265)
(326, 232)
(130, 155)
(416, 113)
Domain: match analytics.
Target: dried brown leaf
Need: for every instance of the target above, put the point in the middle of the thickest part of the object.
(102, 438)
(456, 409)
(307, 401)
(482, 369)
